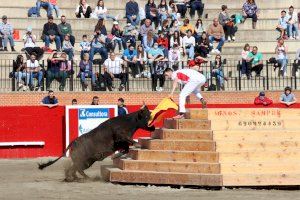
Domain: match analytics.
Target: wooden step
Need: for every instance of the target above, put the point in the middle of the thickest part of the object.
(180, 156)
(188, 124)
(197, 113)
(116, 175)
(167, 166)
(175, 134)
(178, 145)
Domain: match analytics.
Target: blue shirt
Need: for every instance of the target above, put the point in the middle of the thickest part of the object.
(48, 100)
(156, 52)
(129, 54)
(122, 111)
(287, 98)
(283, 22)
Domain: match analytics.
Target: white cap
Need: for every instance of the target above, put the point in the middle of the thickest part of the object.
(115, 22)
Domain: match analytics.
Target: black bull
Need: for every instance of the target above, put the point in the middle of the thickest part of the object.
(110, 136)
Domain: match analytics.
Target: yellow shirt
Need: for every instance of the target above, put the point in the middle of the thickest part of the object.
(184, 28)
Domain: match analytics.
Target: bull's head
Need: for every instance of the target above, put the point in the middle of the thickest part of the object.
(143, 117)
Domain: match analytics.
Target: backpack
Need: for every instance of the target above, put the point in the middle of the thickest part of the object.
(32, 12)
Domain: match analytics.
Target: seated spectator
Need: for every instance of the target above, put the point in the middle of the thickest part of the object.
(155, 54)
(196, 5)
(98, 46)
(163, 11)
(281, 51)
(83, 10)
(262, 100)
(246, 69)
(174, 26)
(113, 68)
(141, 60)
(30, 44)
(6, 31)
(199, 29)
(255, 60)
(288, 98)
(152, 12)
(35, 71)
(165, 28)
(50, 100)
(86, 71)
(296, 64)
(227, 23)
(148, 41)
(292, 27)
(44, 4)
(122, 110)
(145, 28)
(74, 101)
(132, 12)
(51, 33)
(174, 57)
(100, 27)
(130, 57)
(185, 27)
(181, 7)
(55, 7)
(202, 47)
(282, 25)
(64, 29)
(173, 11)
(20, 73)
(163, 43)
(218, 72)
(175, 38)
(142, 15)
(101, 12)
(85, 46)
(68, 47)
(158, 75)
(189, 45)
(250, 10)
(116, 33)
(129, 35)
(216, 33)
(95, 100)
(58, 69)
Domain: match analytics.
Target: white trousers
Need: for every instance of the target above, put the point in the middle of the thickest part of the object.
(190, 87)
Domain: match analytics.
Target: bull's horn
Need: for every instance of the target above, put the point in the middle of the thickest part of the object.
(144, 105)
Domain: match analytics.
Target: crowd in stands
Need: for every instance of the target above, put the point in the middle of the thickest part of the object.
(159, 35)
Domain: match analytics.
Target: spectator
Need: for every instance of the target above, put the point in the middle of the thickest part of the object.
(86, 71)
(20, 73)
(132, 12)
(51, 33)
(163, 11)
(281, 51)
(218, 72)
(98, 46)
(30, 44)
(173, 10)
(282, 24)
(158, 75)
(113, 69)
(141, 60)
(296, 63)
(85, 46)
(35, 71)
(216, 33)
(165, 28)
(262, 100)
(174, 57)
(146, 28)
(155, 54)
(174, 26)
(185, 27)
(64, 29)
(255, 60)
(83, 10)
(74, 101)
(152, 12)
(199, 29)
(292, 24)
(129, 35)
(227, 23)
(95, 101)
(202, 46)
(246, 70)
(148, 41)
(189, 45)
(44, 4)
(142, 15)
(54, 6)
(6, 31)
(101, 12)
(196, 5)
(250, 10)
(130, 57)
(181, 6)
(50, 100)
(100, 27)
(68, 47)
(288, 98)
(163, 42)
(58, 68)
(117, 32)
(122, 110)
(176, 39)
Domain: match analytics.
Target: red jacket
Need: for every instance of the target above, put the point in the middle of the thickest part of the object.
(163, 42)
(266, 101)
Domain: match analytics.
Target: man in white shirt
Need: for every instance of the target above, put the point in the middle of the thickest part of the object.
(113, 68)
(34, 70)
(189, 45)
(292, 26)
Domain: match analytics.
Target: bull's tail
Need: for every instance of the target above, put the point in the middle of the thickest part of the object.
(44, 165)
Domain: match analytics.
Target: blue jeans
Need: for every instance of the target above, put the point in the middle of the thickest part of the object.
(9, 38)
(292, 28)
(38, 75)
(106, 16)
(283, 63)
(219, 75)
(84, 75)
(57, 42)
(45, 5)
(221, 42)
(102, 51)
(70, 53)
(190, 51)
(56, 8)
(196, 6)
(119, 42)
(134, 22)
(22, 76)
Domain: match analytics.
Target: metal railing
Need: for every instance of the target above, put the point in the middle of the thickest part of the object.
(269, 79)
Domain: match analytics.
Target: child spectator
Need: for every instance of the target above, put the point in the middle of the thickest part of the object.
(262, 100)
(6, 31)
(86, 71)
(288, 98)
(68, 47)
(95, 100)
(85, 46)
(246, 71)
(50, 100)
(122, 110)
(282, 24)
(83, 10)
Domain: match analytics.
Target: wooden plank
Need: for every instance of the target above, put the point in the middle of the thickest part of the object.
(188, 124)
(197, 114)
(175, 134)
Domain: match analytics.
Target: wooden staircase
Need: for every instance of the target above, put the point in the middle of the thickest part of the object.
(181, 153)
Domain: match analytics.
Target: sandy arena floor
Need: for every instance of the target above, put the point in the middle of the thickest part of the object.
(20, 179)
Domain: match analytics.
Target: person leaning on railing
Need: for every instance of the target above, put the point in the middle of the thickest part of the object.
(288, 98)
